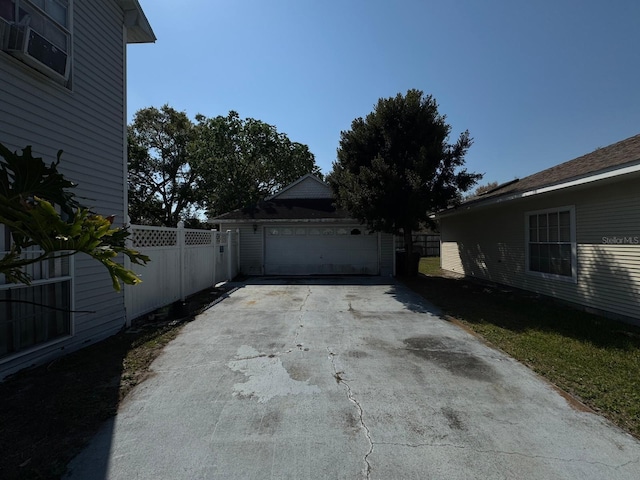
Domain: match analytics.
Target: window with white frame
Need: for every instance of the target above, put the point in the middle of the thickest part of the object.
(31, 315)
(551, 243)
(38, 32)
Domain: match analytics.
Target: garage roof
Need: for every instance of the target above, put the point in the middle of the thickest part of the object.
(288, 209)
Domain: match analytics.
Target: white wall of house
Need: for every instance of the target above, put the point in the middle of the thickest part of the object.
(87, 121)
(490, 243)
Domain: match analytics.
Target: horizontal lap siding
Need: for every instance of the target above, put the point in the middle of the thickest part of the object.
(488, 247)
(609, 274)
(490, 244)
(251, 248)
(87, 122)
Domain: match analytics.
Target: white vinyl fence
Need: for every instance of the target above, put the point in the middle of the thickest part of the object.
(183, 262)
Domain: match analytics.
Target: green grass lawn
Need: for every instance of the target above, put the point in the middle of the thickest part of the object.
(593, 358)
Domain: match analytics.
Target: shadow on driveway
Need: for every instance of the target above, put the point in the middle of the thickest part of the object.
(411, 300)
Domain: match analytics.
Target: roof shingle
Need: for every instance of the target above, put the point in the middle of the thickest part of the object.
(601, 160)
(288, 209)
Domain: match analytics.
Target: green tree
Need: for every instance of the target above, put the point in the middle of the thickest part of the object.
(396, 166)
(39, 210)
(243, 161)
(482, 189)
(163, 187)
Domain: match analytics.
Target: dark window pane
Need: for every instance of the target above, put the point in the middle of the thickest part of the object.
(542, 220)
(544, 258)
(565, 267)
(534, 257)
(26, 320)
(542, 235)
(542, 228)
(553, 227)
(7, 9)
(554, 259)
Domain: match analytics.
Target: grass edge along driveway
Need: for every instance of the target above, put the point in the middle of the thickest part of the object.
(595, 359)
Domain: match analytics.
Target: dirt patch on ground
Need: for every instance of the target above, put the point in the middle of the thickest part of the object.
(49, 413)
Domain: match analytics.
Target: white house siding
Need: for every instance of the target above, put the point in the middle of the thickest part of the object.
(87, 121)
(251, 249)
(489, 243)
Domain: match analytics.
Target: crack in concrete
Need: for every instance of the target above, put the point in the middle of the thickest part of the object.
(304, 301)
(300, 322)
(339, 378)
(253, 357)
(503, 452)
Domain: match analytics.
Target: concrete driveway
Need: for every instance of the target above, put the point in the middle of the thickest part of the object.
(346, 379)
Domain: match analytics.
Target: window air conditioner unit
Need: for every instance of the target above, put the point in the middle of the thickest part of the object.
(37, 51)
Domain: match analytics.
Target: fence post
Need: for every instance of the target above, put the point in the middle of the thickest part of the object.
(181, 265)
(127, 264)
(237, 251)
(393, 249)
(214, 254)
(230, 254)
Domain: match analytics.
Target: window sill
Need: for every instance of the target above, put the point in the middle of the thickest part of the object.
(553, 277)
(34, 76)
(36, 348)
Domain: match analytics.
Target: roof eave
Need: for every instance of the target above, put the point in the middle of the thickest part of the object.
(282, 220)
(138, 28)
(596, 177)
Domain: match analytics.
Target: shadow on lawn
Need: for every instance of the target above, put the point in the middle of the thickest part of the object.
(49, 413)
(519, 311)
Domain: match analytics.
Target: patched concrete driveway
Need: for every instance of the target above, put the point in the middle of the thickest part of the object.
(346, 379)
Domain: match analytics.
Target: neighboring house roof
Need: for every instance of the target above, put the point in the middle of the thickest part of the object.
(308, 198)
(621, 158)
(138, 28)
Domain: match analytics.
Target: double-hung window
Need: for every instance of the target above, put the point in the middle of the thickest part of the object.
(36, 314)
(38, 32)
(551, 243)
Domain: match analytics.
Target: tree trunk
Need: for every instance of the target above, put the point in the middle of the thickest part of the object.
(409, 269)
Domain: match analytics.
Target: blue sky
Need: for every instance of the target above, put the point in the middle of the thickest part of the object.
(536, 83)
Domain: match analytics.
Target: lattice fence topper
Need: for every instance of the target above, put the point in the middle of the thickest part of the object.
(221, 238)
(197, 237)
(154, 238)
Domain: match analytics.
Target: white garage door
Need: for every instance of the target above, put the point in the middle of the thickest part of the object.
(320, 250)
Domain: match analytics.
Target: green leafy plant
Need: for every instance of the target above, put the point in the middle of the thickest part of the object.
(40, 211)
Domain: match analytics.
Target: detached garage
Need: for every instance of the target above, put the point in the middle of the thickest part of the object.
(299, 231)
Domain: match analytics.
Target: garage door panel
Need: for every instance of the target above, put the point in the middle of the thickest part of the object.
(315, 250)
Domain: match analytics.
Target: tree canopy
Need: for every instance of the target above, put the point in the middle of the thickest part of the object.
(243, 161)
(481, 189)
(396, 166)
(163, 187)
(39, 210)
(177, 167)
